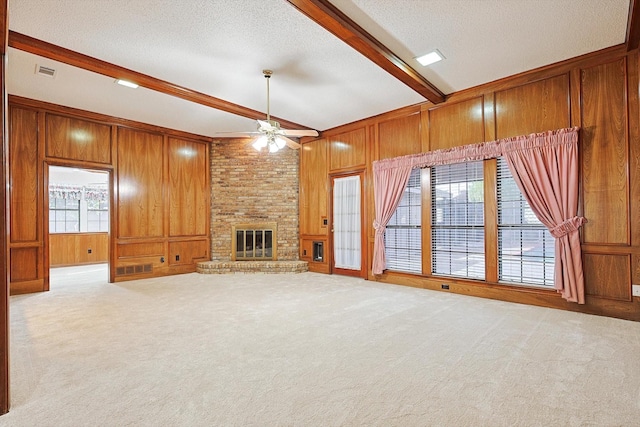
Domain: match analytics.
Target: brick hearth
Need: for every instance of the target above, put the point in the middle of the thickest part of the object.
(222, 267)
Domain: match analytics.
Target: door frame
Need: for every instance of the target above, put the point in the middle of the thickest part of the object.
(45, 213)
(363, 234)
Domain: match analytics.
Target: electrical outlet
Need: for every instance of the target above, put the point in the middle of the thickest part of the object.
(177, 257)
(88, 251)
(635, 290)
(444, 286)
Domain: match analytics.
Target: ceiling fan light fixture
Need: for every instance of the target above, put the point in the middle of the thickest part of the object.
(430, 58)
(260, 142)
(273, 147)
(280, 143)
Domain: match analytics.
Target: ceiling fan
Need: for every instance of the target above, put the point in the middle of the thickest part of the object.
(269, 134)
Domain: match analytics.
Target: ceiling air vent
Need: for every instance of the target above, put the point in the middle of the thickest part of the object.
(45, 71)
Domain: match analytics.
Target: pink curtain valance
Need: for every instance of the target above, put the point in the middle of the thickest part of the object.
(545, 168)
(480, 151)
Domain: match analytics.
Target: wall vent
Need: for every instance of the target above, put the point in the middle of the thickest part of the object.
(45, 71)
(134, 269)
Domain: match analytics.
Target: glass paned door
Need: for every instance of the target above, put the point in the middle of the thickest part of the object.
(347, 224)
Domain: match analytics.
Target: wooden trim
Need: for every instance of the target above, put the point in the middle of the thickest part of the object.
(4, 26)
(113, 205)
(632, 39)
(76, 59)
(102, 118)
(425, 192)
(491, 220)
(340, 25)
(4, 225)
(43, 209)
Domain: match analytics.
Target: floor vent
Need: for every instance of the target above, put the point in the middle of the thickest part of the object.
(45, 71)
(134, 269)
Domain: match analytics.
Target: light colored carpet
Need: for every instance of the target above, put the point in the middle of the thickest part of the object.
(309, 350)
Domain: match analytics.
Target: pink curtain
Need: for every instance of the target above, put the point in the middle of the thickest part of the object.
(388, 185)
(545, 168)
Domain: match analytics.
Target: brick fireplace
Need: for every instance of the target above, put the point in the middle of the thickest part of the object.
(251, 187)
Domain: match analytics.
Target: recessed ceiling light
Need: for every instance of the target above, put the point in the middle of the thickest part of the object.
(430, 58)
(127, 83)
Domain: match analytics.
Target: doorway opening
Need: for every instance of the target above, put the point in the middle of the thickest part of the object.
(78, 222)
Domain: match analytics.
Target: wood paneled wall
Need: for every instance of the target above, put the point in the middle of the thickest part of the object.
(78, 248)
(597, 92)
(159, 186)
(314, 220)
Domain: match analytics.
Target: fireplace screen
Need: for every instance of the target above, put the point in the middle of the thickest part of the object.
(253, 242)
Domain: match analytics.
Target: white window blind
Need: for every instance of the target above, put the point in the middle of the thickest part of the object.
(402, 239)
(457, 220)
(525, 247)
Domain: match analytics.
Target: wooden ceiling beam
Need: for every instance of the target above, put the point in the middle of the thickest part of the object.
(333, 20)
(633, 26)
(76, 59)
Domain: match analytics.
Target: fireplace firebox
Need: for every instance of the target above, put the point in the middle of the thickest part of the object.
(254, 242)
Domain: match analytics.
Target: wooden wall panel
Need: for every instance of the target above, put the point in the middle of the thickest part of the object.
(76, 139)
(399, 136)
(313, 187)
(131, 250)
(24, 264)
(140, 184)
(73, 248)
(605, 153)
(535, 107)
(188, 251)
(608, 276)
(456, 124)
(306, 248)
(633, 99)
(24, 175)
(347, 150)
(188, 188)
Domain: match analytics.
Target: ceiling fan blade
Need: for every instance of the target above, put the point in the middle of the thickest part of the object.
(290, 142)
(299, 132)
(236, 134)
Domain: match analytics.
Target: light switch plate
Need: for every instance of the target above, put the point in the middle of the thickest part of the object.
(635, 290)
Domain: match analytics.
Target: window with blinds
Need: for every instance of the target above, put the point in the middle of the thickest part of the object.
(525, 247)
(457, 220)
(402, 239)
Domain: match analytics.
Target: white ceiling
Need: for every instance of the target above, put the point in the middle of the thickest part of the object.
(220, 48)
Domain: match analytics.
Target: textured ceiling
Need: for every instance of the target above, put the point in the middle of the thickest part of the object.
(220, 48)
